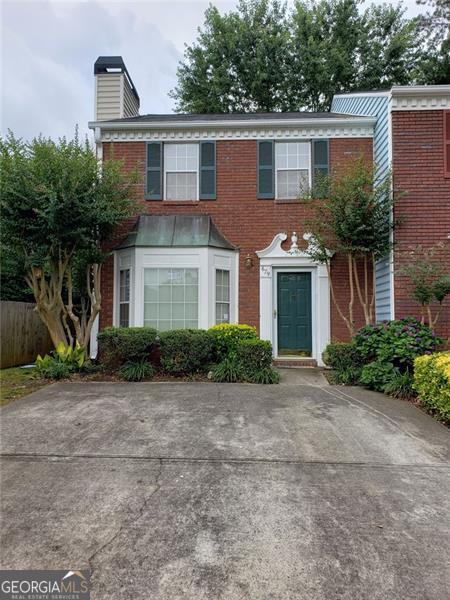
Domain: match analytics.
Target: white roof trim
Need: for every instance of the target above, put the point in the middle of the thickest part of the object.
(275, 123)
(420, 90)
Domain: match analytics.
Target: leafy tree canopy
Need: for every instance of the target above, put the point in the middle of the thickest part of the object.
(264, 57)
(58, 207)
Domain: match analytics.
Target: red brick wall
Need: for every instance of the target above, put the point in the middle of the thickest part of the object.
(248, 222)
(418, 172)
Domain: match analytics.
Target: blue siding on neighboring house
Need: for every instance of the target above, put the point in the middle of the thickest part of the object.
(377, 106)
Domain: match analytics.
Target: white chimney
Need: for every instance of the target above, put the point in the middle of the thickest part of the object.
(115, 94)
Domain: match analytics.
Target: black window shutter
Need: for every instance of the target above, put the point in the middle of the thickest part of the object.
(266, 169)
(320, 167)
(154, 171)
(207, 170)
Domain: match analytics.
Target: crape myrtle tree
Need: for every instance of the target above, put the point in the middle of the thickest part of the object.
(354, 219)
(263, 56)
(58, 208)
(428, 273)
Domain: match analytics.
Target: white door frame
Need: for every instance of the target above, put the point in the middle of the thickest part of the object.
(313, 272)
(274, 259)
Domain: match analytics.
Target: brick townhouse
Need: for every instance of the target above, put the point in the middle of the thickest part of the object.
(221, 233)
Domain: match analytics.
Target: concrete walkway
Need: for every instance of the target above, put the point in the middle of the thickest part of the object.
(225, 491)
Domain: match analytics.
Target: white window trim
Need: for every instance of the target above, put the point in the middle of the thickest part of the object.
(197, 171)
(306, 142)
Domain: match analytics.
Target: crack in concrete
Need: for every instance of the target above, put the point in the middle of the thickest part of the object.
(248, 460)
(126, 524)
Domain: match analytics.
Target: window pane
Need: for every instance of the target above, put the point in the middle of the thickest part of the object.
(177, 310)
(181, 186)
(150, 276)
(292, 184)
(292, 155)
(191, 275)
(181, 157)
(191, 292)
(150, 293)
(175, 298)
(222, 296)
(124, 316)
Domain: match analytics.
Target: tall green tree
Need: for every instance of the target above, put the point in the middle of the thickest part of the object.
(263, 57)
(58, 208)
(434, 25)
(238, 62)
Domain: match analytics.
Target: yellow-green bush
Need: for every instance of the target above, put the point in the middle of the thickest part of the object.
(228, 336)
(432, 382)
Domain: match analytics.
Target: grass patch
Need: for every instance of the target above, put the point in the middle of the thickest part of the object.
(17, 382)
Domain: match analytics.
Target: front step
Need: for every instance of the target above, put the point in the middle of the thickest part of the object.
(295, 362)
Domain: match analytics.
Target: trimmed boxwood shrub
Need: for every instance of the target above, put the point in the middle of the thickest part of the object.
(345, 360)
(185, 351)
(250, 360)
(226, 338)
(254, 354)
(432, 383)
(118, 345)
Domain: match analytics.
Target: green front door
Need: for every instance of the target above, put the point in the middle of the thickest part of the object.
(294, 314)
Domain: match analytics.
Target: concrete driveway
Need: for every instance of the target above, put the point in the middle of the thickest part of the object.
(202, 491)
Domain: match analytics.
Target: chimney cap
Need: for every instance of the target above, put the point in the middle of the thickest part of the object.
(107, 64)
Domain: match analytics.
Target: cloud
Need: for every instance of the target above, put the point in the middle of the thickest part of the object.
(48, 58)
(49, 49)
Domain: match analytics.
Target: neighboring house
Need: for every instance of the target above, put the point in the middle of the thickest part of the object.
(220, 237)
(412, 139)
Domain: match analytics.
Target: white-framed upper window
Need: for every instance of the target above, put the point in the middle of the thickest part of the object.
(124, 297)
(181, 179)
(293, 169)
(222, 296)
(171, 298)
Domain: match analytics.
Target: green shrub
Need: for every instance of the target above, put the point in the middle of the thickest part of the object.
(185, 351)
(346, 362)
(254, 354)
(50, 367)
(228, 370)
(266, 375)
(60, 363)
(348, 376)
(400, 385)
(226, 338)
(377, 374)
(432, 383)
(118, 345)
(397, 342)
(340, 356)
(136, 371)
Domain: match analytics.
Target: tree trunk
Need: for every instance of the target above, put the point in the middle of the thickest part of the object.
(352, 295)
(336, 304)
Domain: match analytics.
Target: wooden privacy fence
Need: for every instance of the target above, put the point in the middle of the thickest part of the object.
(23, 335)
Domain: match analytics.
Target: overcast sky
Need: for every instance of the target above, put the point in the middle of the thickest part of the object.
(49, 49)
